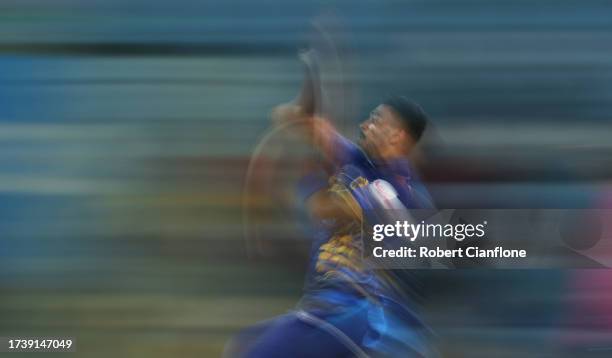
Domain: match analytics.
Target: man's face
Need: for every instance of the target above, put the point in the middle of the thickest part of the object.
(381, 131)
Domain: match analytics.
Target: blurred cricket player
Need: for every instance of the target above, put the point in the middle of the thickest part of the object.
(349, 308)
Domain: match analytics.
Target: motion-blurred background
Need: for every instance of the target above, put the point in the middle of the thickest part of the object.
(126, 128)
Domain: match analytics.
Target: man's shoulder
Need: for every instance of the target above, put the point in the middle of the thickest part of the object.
(348, 152)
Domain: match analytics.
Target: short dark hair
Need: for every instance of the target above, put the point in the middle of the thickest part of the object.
(413, 117)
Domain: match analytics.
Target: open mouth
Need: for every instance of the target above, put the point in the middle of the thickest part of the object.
(362, 135)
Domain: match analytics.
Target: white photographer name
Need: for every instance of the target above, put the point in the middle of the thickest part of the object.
(472, 251)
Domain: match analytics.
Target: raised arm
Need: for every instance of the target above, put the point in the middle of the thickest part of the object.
(317, 131)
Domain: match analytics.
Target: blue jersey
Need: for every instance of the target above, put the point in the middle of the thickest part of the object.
(351, 162)
(337, 271)
(339, 278)
(349, 308)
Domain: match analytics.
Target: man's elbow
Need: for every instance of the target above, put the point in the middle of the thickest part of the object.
(287, 112)
(322, 207)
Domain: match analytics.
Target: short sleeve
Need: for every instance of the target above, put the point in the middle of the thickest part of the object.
(344, 152)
